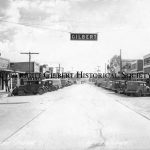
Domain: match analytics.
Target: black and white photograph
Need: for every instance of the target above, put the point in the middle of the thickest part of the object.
(74, 74)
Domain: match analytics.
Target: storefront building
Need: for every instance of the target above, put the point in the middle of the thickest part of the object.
(22, 72)
(137, 66)
(126, 66)
(24, 67)
(44, 68)
(146, 66)
(5, 74)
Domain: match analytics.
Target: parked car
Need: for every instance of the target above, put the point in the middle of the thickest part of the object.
(115, 85)
(29, 87)
(138, 88)
(120, 86)
(103, 84)
(82, 82)
(99, 81)
(48, 85)
(56, 83)
(109, 85)
(64, 82)
(70, 82)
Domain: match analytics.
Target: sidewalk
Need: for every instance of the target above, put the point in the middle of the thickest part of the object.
(3, 94)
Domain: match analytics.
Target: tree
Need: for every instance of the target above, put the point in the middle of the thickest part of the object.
(114, 64)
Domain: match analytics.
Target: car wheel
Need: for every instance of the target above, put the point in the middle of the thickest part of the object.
(21, 93)
(49, 89)
(40, 91)
(45, 89)
(128, 94)
(139, 94)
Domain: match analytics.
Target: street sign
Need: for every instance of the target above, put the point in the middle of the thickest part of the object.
(84, 36)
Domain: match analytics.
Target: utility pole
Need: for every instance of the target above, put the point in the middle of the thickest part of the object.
(59, 68)
(29, 53)
(108, 67)
(120, 64)
(98, 68)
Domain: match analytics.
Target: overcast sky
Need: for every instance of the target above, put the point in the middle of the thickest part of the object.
(121, 24)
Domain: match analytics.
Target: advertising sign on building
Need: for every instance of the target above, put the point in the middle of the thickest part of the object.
(4, 63)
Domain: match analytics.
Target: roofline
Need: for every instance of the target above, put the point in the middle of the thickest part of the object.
(4, 58)
(129, 59)
(146, 56)
(25, 62)
(137, 81)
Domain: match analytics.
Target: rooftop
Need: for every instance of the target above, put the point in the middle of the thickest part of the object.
(146, 56)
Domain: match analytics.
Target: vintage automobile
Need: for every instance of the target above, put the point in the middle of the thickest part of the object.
(122, 86)
(106, 83)
(114, 85)
(103, 84)
(29, 87)
(56, 83)
(70, 82)
(48, 85)
(64, 82)
(119, 86)
(52, 84)
(109, 85)
(99, 82)
(137, 88)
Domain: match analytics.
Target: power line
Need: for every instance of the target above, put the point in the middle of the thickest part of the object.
(38, 25)
(32, 26)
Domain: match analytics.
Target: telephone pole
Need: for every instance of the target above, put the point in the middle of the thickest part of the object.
(98, 69)
(105, 68)
(29, 53)
(59, 68)
(120, 64)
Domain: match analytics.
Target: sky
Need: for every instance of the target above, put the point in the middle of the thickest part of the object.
(44, 26)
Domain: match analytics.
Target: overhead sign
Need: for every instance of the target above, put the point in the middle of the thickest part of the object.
(84, 36)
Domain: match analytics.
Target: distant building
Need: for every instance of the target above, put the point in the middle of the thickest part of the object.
(137, 66)
(44, 68)
(126, 66)
(146, 65)
(58, 70)
(51, 69)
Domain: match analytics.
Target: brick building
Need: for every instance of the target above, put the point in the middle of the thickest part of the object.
(24, 66)
(146, 63)
(21, 70)
(137, 66)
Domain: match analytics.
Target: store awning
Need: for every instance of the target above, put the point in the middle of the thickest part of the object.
(5, 70)
(18, 72)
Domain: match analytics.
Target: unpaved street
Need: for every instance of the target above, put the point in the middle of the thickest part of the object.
(79, 117)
